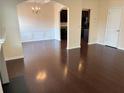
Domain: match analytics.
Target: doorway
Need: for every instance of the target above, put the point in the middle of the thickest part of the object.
(85, 26)
(113, 27)
(63, 24)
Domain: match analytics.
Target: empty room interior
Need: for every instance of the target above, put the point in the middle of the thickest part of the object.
(61, 46)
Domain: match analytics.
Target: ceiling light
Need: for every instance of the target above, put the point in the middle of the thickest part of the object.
(36, 6)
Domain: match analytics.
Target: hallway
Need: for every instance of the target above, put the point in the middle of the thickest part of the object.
(49, 68)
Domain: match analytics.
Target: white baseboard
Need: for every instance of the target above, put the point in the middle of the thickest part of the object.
(117, 47)
(57, 39)
(70, 48)
(91, 43)
(120, 48)
(14, 58)
(36, 40)
(100, 43)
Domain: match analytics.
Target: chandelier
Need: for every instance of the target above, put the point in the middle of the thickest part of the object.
(36, 6)
(36, 9)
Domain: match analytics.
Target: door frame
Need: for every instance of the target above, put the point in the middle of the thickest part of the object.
(89, 23)
(64, 8)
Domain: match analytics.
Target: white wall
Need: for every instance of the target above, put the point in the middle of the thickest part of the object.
(2, 29)
(57, 8)
(36, 27)
(102, 20)
(104, 6)
(12, 47)
(74, 29)
(1, 89)
(75, 11)
(0, 22)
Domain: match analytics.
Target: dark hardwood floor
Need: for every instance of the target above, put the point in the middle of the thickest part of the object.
(49, 68)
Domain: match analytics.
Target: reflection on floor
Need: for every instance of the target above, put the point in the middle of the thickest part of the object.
(49, 68)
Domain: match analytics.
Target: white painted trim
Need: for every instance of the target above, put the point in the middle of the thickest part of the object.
(120, 48)
(70, 48)
(36, 40)
(57, 39)
(101, 43)
(105, 44)
(96, 43)
(14, 58)
(91, 43)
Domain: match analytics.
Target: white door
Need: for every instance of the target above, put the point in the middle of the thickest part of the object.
(113, 27)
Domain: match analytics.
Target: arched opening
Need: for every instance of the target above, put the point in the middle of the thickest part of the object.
(50, 23)
(36, 25)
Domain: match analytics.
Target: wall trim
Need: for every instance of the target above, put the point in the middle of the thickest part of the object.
(100, 43)
(13, 58)
(70, 48)
(97, 43)
(91, 43)
(120, 48)
(37, 40)
(57, 39)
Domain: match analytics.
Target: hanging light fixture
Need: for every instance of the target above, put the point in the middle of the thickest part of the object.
(36, 7)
